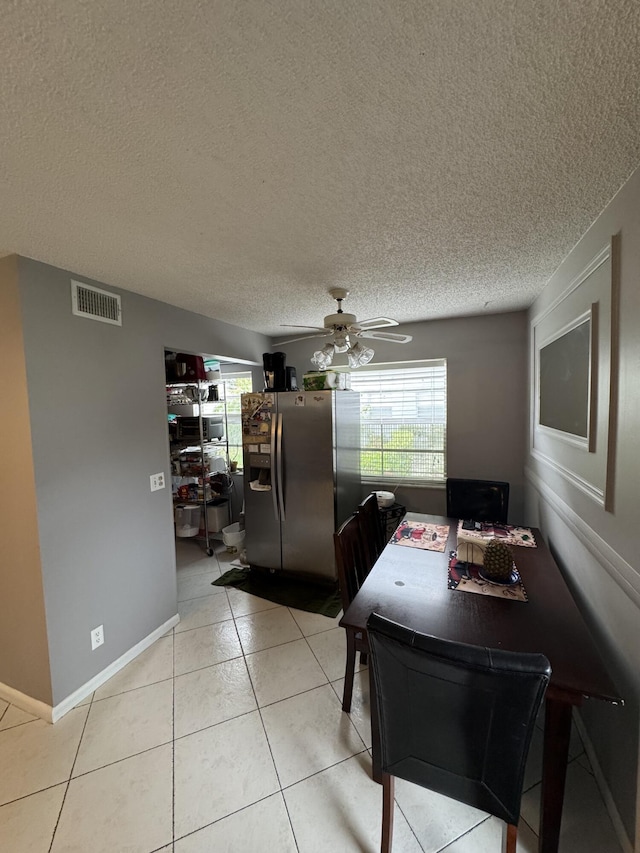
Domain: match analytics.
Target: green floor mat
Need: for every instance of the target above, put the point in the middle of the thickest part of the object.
(303, 595)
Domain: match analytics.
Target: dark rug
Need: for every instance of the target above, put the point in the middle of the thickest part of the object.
(303, 595)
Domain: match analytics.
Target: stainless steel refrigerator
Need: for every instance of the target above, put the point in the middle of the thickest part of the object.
(301, 477)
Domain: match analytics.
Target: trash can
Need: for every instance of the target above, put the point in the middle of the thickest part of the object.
(187, 518)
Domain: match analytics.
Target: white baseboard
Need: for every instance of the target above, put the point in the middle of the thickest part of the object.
(26, 703)
(52, 714)
(623, 838)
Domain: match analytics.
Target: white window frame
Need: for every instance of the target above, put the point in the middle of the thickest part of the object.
(400, 394)
(234, 417)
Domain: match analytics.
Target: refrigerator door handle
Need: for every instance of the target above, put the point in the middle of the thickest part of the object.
(280, 469)
(274, 479)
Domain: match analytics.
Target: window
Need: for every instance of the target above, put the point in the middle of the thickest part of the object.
(234, 384)
(403, 421)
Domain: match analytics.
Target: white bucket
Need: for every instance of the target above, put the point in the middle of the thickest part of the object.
(232, 536)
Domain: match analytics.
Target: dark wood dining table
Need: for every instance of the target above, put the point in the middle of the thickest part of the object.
(409, 585)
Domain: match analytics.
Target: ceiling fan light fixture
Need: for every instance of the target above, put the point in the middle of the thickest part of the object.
(341, 341)
(358, 355)
(322, 358)
(342, 329)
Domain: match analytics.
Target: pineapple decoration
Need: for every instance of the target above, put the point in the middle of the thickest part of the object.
(498, 561)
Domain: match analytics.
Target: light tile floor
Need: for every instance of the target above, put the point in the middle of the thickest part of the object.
(228, 735)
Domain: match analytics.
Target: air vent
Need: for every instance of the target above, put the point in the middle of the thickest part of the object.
(96, 304)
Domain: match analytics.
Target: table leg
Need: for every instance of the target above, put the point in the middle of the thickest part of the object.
(376, 769)
(557, 731)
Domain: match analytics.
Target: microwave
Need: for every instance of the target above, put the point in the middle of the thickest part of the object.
(212, 428)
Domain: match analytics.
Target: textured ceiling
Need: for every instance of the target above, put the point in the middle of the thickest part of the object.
(237, 159)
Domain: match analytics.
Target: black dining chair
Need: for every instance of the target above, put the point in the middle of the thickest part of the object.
(353, 567)
(371, 529)
(454, 718)
(480, 500)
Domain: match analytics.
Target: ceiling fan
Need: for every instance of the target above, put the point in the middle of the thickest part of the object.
(344, 329)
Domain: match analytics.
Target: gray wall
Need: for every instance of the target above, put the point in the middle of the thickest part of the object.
(486, 398)
(598, 550)
(98, 421)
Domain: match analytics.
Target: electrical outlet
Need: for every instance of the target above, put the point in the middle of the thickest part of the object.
(97, 637)
(157, 481)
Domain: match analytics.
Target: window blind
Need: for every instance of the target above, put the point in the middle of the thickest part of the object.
(403, 421)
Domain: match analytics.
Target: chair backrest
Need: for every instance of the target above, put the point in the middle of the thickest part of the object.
(455, 718)
(480, 500)
(351, 560)
(371, 529)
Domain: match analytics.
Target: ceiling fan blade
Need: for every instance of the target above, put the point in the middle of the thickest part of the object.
(324, 334)
(377, 323)
(392, 337)
(292, 326)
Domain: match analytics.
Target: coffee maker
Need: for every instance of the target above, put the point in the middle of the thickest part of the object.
(275, 372)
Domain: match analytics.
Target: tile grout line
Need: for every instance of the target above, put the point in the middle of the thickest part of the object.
(113, 763)
(73, 764)
(324, 769)
(255, 695)
(224, 817)
(174, 676)
(331, 683)
(316, 656)
(273, 761)
(471, 829)
(282, 790)
(411, 829)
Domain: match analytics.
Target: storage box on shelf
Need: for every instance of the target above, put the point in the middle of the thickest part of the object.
(218, 514)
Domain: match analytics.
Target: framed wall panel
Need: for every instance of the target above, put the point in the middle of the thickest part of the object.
(573, 384)
(567, 364)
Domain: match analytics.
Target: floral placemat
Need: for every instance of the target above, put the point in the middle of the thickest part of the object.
(466, 578)
(415, 534)
(505, 532)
